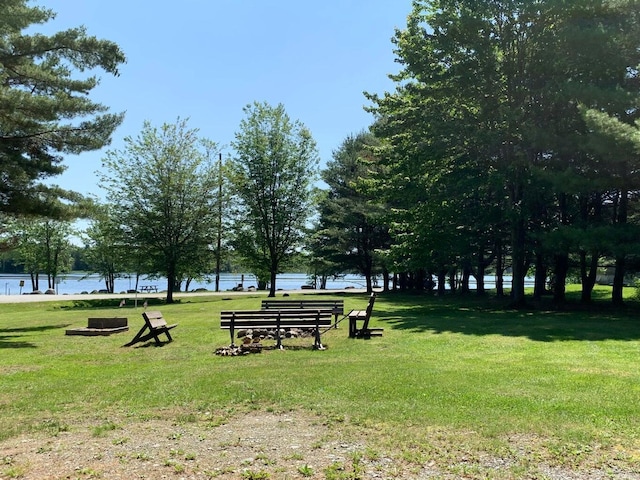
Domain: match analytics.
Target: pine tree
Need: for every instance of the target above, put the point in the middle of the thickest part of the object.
(45, 110)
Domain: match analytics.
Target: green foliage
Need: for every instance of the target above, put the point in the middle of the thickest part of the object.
(272, 174)
(106, 252)
(509, 120)
(305, 470)
(351, 227)
(45, 109)
(163, 193)
(43, 247)
(255, 475)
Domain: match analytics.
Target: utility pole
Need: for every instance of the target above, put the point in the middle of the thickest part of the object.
(219, 239)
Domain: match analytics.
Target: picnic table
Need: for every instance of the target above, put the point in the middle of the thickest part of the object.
(149, 288)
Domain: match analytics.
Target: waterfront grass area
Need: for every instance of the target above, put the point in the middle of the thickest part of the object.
(451, 377)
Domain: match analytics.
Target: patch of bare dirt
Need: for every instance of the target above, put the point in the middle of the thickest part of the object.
(265, 445)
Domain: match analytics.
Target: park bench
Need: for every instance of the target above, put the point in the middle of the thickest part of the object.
(156, 325)
(278, 320)
(336, 306)
(364, 316)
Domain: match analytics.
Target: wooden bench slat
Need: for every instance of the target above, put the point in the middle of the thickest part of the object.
(336, 305)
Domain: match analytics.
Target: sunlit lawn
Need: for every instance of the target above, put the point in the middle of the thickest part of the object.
(452, 364)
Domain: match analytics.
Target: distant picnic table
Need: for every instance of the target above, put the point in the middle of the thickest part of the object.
(149, 288)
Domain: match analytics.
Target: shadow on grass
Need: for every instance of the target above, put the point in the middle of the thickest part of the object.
(9, 336)
(469, 316)
(113, 303)
(149, 344)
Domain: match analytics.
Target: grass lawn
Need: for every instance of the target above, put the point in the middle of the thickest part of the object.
(451, 378)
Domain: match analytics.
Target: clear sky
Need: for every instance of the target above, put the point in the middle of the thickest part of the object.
(206, 59)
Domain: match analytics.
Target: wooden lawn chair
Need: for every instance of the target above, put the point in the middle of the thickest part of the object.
(156, 325)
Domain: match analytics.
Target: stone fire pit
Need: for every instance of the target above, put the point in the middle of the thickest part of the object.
(101, 326)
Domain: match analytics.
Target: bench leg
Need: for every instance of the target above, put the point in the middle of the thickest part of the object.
(137, 338)
(352, 327)
(278, 335)
(317, 344)
(231, 333)
(168, 335)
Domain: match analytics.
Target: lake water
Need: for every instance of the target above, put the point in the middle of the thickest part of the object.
(78, 283)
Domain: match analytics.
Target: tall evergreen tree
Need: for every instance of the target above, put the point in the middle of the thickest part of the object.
(352, 220)
(45, 110)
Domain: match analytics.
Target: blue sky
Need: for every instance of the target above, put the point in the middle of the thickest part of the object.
(206, 59)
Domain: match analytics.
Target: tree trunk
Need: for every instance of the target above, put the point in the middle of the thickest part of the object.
(420, 276)
(110, 282)
(402, 281)
(618, 281)
(560, 278)
(618, 277)
(464, 284)
(272, 283)
(385, 279)
(518, 271)
(499, 270)
(480, 290)
(452, 280)
(540, 282)
(171, 281)
(442, 278)
(369, 283)
(588, 276)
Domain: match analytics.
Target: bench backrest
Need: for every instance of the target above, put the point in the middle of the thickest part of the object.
(372, 300)
(154, 319)
(336, 305)
(302, 317)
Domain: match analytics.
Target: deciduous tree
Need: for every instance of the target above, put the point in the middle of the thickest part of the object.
(163, 189)
(273, 171)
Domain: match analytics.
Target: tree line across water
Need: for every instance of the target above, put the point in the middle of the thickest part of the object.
(510, 144)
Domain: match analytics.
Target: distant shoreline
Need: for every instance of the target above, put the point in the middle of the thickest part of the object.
(34, 298)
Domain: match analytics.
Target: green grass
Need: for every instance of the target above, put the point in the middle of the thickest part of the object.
(463, 368)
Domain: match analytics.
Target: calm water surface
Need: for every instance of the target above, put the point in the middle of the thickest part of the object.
(79, 283)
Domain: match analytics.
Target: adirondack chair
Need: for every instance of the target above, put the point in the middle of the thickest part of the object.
(364, 316)
(156, 324)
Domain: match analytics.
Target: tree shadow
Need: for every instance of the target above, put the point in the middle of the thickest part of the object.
(10, 337)
(102, 303)
(489, 317)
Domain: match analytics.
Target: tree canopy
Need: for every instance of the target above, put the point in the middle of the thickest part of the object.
(45, 108)
(163, 192)
(486, 133)
(272, 172)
